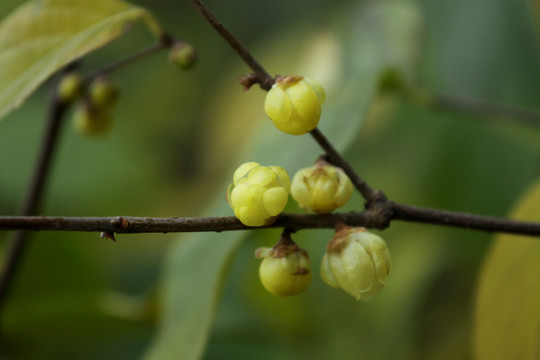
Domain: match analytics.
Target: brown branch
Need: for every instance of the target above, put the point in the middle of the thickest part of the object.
(377, 217)
(265, 80)
(19, 241)
(129, 225)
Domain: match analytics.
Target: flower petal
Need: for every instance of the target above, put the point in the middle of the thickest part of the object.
(274, 200)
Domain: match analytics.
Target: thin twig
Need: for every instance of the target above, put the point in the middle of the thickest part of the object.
(130, 225)
(19, 241)
(484, 108)
(266, 80)
(334, 157)
(371, 218)
(165, 42)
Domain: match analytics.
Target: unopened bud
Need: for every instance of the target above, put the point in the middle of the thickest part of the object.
(294, 104)
(91, 121)
(356, 261)
(285, 269)
(321, 188)
(70, 87)
(183, 55)
(104, 94)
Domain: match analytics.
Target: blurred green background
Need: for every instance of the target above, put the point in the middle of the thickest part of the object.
(179, 135)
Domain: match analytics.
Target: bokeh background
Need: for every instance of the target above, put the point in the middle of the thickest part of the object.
(179, 135)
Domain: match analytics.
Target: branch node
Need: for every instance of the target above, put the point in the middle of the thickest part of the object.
(247, 81)
(120, 222)
(108, 235)
(381, 209)
(267, 83)
(340, 224)
(376, 197)
(167, 40)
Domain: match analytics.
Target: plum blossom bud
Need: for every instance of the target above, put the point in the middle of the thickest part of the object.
(104, 94)
(70, 87)
(90, 120)
(321, 188)
(294, 104)
(285, 269)
(356, 261)
(183, 55)
(258, 193)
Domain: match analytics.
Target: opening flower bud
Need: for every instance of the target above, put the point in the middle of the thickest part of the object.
(183, 55)
(258, 193)
(356, 261)
(285, 269)
(70, 87)
(294, 104)
(321, 188)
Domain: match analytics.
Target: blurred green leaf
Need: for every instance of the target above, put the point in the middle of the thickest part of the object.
(40, 37)
(193, 280)
(507, 305)
(348, 68)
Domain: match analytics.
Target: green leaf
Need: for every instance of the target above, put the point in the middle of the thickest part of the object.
(507, 318)
(40, 37)
(343, 64)
(192, 278)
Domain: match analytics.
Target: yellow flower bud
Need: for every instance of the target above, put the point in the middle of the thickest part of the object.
(294, 104)
(70, 87)
(285, 269)
(91, 121)
(321, 188)
(103, 94)
(356, 261)
(258, 193)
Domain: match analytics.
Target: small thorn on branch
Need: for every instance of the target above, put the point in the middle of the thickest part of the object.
(108, 235)
(247, 81)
